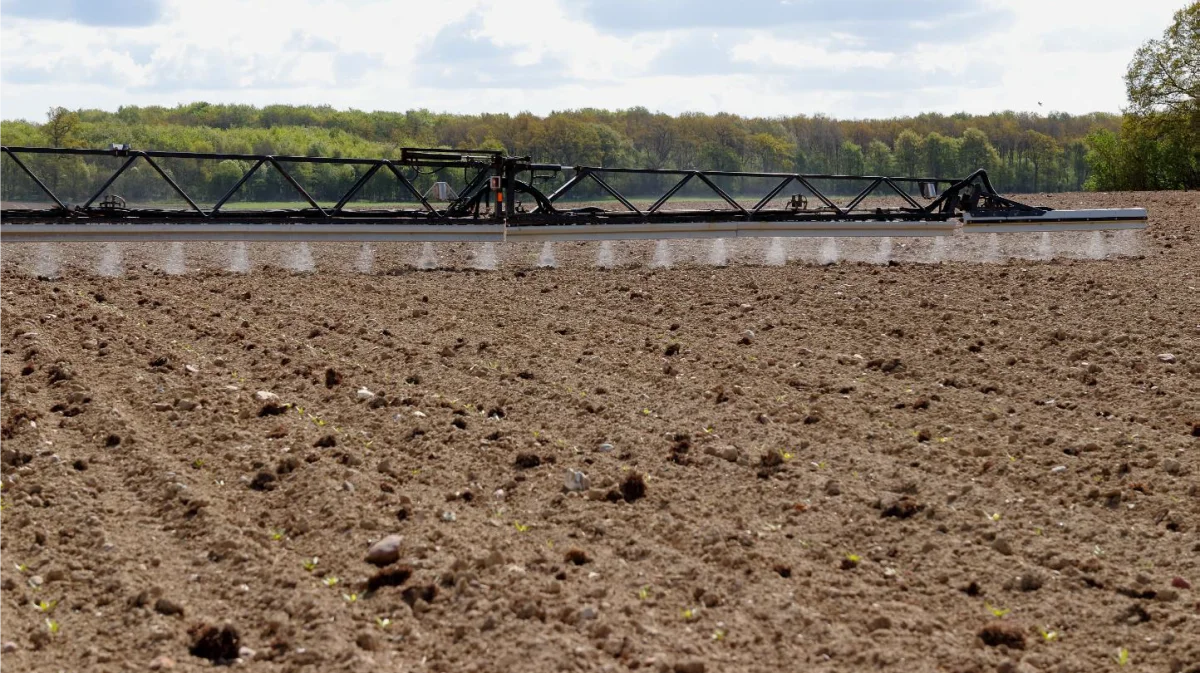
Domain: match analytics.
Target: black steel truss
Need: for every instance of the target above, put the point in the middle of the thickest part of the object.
(490, 195)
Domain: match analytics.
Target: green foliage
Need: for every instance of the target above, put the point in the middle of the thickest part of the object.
(929, 144)
(1159, 142)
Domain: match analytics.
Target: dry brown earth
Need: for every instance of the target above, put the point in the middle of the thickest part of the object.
(920, 467)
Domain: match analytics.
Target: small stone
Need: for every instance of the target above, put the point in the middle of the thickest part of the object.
(449, 516)
(367, 641)
(246, 653)
(879, 623)
(1166, 595)
(691, 666)
(185, 404)
(166, 606)
(729, 453)
(1002, 545)
(1058, 469)
(605, 447)
(161, 662)
(747, 338)
(1168, 358)
(191, 369)
(575, 481)
(8, 647)
(266, 396)
(1180, 583)
(588, 612)
(364, 394)
(1172, 467)
(1030, 581)
(832, 488)
(385, 551)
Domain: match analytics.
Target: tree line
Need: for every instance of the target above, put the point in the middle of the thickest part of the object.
(1022, 152)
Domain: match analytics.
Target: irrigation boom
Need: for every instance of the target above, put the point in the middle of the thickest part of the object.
(500, 201)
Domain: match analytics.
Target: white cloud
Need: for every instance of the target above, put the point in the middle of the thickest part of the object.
(544, 55)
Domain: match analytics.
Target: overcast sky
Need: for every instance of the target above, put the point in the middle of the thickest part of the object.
(848, 59)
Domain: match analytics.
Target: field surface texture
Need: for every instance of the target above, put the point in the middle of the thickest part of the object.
(951, 466)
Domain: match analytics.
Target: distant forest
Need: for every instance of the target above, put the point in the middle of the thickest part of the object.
(1022, 152)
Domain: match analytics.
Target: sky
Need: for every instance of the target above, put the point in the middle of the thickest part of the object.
(847, 59)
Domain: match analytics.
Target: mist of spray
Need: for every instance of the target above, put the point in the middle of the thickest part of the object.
(992, 254)
(1095, 249)
(884, 254)
(366, 258)
(776, 255)
(46, 264)
(717, 254)
(938, 253)
(428, 259)
(485, 257)
(110, 260)
(301, 260)
(662, 255)
(605, 257)
(829, 252)
(1045, 247)
(176, 263)
(546, 258)
(239, 258)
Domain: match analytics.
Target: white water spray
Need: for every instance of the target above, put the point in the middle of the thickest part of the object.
(176, 263)
(239, 258)
(884, 254)
(1126, 243)
(992, 254)
(662, 255)
(717, 254)
(110, 260)
(605, 257)
(829, 252)
(46, 265)
(366, 258)
(938, 253)
(485, 257)
(1045, 247)
(546, 258)
(301, 260)
(428, 259)
(1095, 249)
(776, 255)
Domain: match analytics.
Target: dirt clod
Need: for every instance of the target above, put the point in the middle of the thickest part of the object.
(219, 645)
(999, 633)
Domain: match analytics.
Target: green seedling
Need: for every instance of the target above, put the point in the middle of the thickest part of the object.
(310, 564)
(996, 612)
(197, 464)
(644, 593)
(330, 581)
(350, 598)
(521, 528)
(52, 626)
(21, 567)
(854, 558)
(277, 535)
(383, 622)
(688, 614)
(1048, 635)
(718, 634)
(995, 516)
(1122, 657)
(44, 605)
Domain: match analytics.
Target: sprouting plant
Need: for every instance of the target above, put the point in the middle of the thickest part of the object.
(997, 612)
(644, 593)
(1097, 551)
(310, 564)
(330, 581)
(854, 558)
(1048, 635)
(688, 614)
(549, 544)
(52, 626)
(718, 634)
(197, 463)
(21, 567)
(1122, 657)
(785, 455)
(383, 622)
(1037, 530)
(521, 528)
(645, 412)
(350, 598)
(277, 535)
(44, 605)
(995, 516)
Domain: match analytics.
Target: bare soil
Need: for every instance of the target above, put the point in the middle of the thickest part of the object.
(951, 466)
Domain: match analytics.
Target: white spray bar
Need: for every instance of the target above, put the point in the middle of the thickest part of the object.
(1057, 220)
